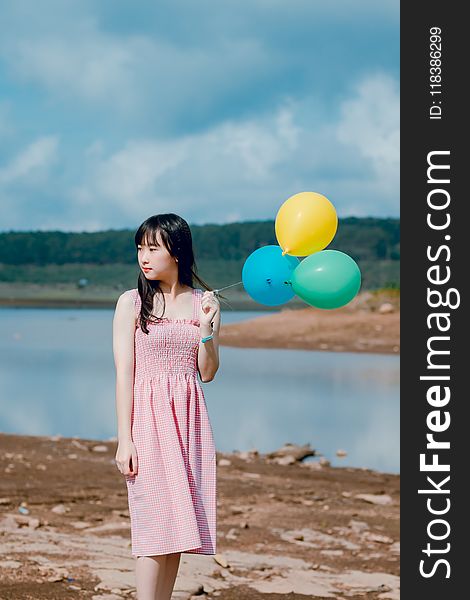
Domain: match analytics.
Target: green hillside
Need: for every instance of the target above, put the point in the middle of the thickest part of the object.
(107, 259)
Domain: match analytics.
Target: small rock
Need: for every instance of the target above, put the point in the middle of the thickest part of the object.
(232, 534)
(72, 456)
(386, 308)
(79, 445)
(298, 452)
(224, 462)
(220, 560)
(314, 465)
(380, 539)
(324, 462)
(341, 452)
(358, 526)
(100, 448)
(382, 499)
(395, 548)
(4, 501)
(60, 509)
(10, 564)
(237, 510)
(33, 523)
(285, 460)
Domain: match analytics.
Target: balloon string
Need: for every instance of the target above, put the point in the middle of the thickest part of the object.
(238, 283)
(227, 286)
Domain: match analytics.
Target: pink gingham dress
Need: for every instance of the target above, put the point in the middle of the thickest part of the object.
(172, 498)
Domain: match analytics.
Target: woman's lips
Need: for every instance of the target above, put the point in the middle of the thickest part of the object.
(146, 269)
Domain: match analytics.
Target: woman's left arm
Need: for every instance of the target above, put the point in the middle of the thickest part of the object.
(208, 352)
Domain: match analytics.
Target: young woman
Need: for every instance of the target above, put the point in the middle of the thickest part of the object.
(165, 333)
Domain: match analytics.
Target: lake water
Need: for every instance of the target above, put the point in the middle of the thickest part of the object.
(57, 377)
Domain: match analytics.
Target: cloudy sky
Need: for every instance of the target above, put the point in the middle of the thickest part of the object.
(113, 110)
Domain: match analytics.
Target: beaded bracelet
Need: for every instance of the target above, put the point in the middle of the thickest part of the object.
(208, 337)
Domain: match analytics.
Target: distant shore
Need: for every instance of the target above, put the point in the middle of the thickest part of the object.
(311, 329)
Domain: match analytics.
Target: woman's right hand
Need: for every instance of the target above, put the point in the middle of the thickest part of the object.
(126, 455)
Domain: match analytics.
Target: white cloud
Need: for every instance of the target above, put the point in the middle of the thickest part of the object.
(34, 159)
(138, 76)
(217, 164)
(246, 169)
(85, 63)
(370, 123)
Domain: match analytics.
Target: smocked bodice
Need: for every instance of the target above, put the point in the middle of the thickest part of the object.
(170, 347)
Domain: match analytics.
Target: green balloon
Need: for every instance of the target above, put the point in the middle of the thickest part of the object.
(326, 279)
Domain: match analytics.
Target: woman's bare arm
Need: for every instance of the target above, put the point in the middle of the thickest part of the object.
(123, 350)
(208, 353)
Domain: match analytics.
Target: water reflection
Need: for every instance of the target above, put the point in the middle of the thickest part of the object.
(57, 377)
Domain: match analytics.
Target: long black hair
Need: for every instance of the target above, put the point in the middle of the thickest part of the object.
(177, 238)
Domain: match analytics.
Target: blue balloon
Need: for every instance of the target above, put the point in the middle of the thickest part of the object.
(265, 274)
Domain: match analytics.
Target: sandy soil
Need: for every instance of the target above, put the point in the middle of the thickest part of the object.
(371, 323)
(290, 531)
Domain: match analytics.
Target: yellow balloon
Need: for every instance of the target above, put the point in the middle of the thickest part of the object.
(305, 223)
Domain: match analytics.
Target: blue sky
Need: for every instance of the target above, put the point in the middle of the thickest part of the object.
(112, 110)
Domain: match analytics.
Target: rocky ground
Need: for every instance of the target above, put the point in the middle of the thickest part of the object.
(287, 528)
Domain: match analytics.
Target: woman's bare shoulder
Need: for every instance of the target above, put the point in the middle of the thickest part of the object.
(128, 295)
(126, 300)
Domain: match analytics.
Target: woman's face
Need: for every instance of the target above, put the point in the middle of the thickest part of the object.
(155, 260)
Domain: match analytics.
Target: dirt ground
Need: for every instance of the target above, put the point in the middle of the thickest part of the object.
(290, 531)
(370, 323)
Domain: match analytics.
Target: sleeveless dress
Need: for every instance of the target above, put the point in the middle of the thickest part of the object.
(172, 497)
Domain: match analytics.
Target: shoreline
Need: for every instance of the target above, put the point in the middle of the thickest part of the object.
(368, 324)
(312, 329)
